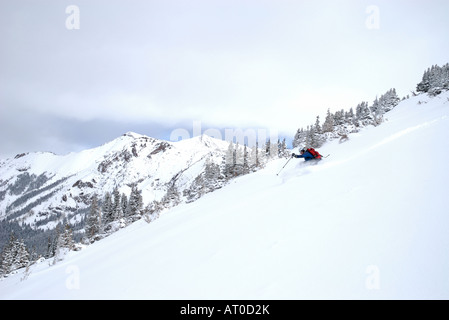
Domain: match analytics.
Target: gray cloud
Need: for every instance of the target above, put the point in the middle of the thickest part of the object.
(25, 130)
(226, 63)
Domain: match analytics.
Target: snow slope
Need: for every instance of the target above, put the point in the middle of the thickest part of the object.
(369, 222)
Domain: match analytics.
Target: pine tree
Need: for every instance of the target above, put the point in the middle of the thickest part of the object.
(271, 149)
(172, 197)
(300, 138)
(364, 114)
(389, 100)
(212, 176)
(434, 79)
(135, 203)
(245, 160)
(268, 148)
(123, 205)
(14, 255)
(377, 112)
(107, 209)
(349, 116)
(254, 157)
(196, 190)
(282, 148)
(7, 257)
(116, 208)
(424, 85)
(64, 244)
(93, 221)
(66, 238)
(328, 125)
(317, 125)
(22, 258)
(230, 160)
(238, 160)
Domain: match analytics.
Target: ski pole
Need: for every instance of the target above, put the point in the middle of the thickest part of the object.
(284, 166)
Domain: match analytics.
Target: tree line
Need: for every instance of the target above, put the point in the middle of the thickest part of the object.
(341, 123)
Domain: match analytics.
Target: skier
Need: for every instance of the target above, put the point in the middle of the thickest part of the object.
(308, 155)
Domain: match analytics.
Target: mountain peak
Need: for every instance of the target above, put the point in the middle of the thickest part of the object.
(133, 135)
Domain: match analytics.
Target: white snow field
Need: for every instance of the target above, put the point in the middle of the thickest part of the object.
(369, 222)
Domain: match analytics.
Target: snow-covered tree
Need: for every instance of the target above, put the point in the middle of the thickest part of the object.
(66, 238)
(135, 203)
(172, 197)
(239, 160)
(377, 112)
(282, 149)
(246, 159)
(196, 190)
(14, 255)
(271, 149)
(434, 79)
(123, 205)
(254, 160)
(65, 243)
(328, 125)
(299, 138)
(93, 220)
(230, 160)
(116, 208)
(107, 209)
(212, 175)
(317, 125)
(389, 100)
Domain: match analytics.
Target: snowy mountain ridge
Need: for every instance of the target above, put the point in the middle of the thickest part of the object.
(37, 187)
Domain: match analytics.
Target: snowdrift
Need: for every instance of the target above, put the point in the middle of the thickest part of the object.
(369, 222)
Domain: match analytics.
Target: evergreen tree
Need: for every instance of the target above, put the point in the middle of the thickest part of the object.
(377, 112)
(123, 205)
(271, 149)
(339, 118)
(65, 243)
(66, 238)
(328, 125)
(14, 255)
(349, 116)
(53, 242)
(116, 208)
(282, 149)
(212, 175)
(135, 203)
(93, 220)
(364, 114)
(7, 257)
(172, 197)
(434, 79)
(268, 148)
(317, 126)
(389, 100)
(300, 138)
(238, 160)
(230, 160)
(254, 157)
(107, 209)
(245, 160)
(196, 190)
(22, 258)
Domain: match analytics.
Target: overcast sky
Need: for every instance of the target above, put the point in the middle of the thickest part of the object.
(155, 66)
